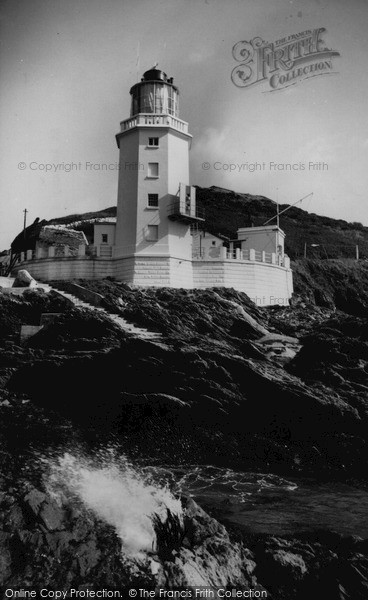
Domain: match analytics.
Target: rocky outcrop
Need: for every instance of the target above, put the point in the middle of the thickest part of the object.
(334, 354)
(81, 330)
(191, 316)
(215, 380)
(207, 556)
(61, 544)
(28, 308)
(212, 395)
(333, 284)
(320, 565)
(45, 544)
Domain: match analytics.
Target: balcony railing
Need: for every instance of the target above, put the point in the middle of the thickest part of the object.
(153, 120)
(222, 253)
(61, 251)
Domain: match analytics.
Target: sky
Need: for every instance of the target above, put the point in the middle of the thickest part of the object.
(67, 67)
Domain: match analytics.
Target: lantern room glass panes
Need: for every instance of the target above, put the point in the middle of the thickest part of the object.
(156, 98)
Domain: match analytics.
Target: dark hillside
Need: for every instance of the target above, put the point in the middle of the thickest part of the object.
(225, 212)
(100, 214)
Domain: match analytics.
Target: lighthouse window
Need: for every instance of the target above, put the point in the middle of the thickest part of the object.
(152, 233)
(152, 169)
(153, 200)
(153, 141)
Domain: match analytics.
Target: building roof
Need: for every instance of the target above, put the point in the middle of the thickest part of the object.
(107, 221)
(260, 229)
(53, 235)
(48, 235)
(219, 236)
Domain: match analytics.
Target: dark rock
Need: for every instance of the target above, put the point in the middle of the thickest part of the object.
(322, 299)
(14, 519)
(79, 330)
(207, 556)
(52, 515)
(34, 499)
(88, 556)
(293, 563)
(5, 557)
(81, 527)
(341, 285)
(59, 542)
(198, 525)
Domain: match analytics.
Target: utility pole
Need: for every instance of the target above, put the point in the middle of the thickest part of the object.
(305, 249)
(357, 252)
(277, 221)
(25, 222)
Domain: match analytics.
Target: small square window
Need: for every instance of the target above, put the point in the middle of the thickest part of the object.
(153, 141)
(213, 243)
(104, 238)
(152, 169)
(152, 233)
(153, 200)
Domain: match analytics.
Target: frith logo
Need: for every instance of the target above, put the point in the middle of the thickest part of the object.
(284, 62)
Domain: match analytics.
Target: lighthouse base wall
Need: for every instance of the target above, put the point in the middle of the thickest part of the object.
(266, 284)
(155, 271)
(144, 271)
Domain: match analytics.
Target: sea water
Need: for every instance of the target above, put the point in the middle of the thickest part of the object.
(268, 503)
(128, 496)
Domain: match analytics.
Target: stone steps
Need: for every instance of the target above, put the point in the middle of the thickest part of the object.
(139, 332)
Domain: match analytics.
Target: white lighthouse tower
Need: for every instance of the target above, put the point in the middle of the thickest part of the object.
(156, 204)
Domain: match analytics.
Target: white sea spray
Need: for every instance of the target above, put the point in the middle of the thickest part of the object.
(115, 492)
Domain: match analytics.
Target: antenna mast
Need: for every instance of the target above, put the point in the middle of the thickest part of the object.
(285, 209)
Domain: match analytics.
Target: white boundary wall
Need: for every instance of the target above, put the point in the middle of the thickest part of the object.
(266, 284)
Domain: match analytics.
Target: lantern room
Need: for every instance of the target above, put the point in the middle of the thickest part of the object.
(155, 94)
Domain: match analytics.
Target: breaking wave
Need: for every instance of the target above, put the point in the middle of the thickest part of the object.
(117, 493)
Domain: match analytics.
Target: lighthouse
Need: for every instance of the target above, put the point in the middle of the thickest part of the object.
(156, 207)
(156, 240)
